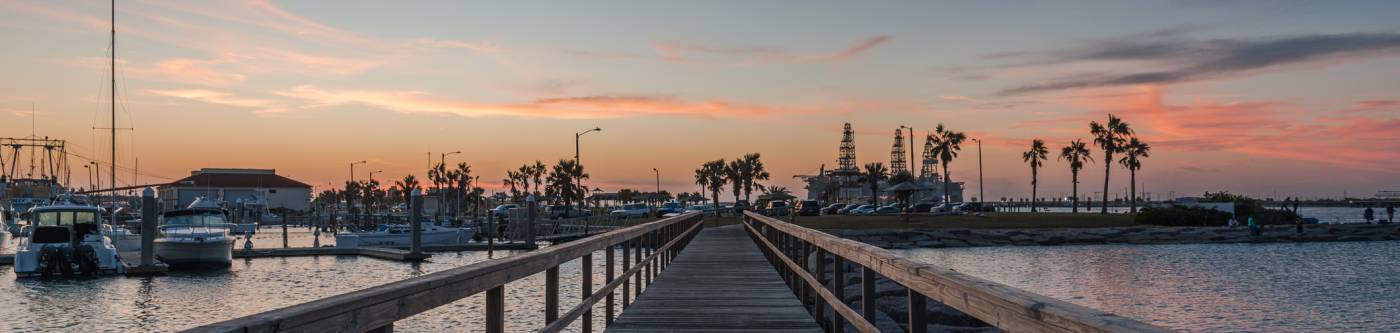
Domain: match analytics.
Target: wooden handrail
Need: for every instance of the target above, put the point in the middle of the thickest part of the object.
(837, 306)
(1005, 307)
(379, 307)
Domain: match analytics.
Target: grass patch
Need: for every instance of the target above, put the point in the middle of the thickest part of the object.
(990, 221)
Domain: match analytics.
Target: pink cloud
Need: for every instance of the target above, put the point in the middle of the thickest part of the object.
(586, 107)
(482, 47)
(222, 98)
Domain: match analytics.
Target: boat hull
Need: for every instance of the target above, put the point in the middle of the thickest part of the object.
(195, 254)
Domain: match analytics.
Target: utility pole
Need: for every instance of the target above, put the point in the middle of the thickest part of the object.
(658, 180)
(981, 196)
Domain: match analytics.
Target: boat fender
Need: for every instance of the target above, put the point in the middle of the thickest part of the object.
(86, 257)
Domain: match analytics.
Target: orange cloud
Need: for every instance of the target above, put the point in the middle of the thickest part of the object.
(1255, 128)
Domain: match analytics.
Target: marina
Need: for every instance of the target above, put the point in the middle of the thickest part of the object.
(235, 166)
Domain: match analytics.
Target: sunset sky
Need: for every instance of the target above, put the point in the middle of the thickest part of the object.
(1257, 97)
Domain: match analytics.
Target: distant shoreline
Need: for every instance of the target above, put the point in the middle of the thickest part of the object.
(962, 237)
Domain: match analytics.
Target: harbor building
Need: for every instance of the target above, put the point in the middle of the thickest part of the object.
(235, 185)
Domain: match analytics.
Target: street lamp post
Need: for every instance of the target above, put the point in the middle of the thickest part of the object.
(981, 196)
(658, 179)
(443, 158)
(352, 169)
(576, 141)
(579, 163)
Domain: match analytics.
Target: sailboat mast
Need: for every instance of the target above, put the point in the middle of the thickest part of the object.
(113, 166)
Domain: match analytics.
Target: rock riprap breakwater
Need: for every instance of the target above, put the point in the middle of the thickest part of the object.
(961, 237)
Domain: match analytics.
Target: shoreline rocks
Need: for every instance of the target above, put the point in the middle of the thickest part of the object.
(962, 237)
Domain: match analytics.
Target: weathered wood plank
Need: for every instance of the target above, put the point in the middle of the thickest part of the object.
(720, 282)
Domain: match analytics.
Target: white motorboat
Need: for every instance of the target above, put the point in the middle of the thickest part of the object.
(123, 238)
(391, 235)
(66, 239)
(197, 236)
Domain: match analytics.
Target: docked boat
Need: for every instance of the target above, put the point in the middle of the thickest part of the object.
(123, 238)
(197, 236)
(66, 239)
(391, 235)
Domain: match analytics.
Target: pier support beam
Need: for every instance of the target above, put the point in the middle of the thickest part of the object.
(415, 221)
(148, 264)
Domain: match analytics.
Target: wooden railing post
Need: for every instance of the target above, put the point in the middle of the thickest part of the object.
(608, 309)
(817, 303)
(496, 309)
(587, 291)
(917, 305)
(626, 282)
(551, 295)
(838, 289)
(867, 293)
(637, 282)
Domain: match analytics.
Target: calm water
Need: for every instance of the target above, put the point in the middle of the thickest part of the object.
(1323, 214)
(1306, 287)
(186, 299)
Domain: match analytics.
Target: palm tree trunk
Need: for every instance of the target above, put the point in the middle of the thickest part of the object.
(946, 196)
(1033, 189)
(1108, 165)
(1132, 188)
(1074, 202)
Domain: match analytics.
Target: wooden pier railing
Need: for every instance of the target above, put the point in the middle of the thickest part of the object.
(646, 249)
(789, 248)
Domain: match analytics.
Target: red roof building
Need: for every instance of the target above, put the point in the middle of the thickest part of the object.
(234, 185)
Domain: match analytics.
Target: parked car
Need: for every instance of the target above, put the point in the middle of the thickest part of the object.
(631, 211)
(968, 207)
(565, 212)
(503, 209)
(863, 210)
(777, 208)
(832, 208)
(887, 210)
(941, 208)
(670, 208)
(809, 208)
(922, 207)
(704, 209)
(846, 210)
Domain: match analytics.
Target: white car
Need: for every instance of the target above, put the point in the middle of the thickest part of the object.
(503, 209)
(631, 211)
(703, 209)
(941, 208)
(863, 210)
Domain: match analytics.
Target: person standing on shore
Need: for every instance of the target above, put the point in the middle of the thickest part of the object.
(1390, 213)
(1369, 214)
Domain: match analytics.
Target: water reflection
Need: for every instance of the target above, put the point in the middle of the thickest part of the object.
(1206, 287)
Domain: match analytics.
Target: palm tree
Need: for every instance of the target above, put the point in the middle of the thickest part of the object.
(753, 171)
(1076, 153)
(564, 180)
(711, 176)
(463, 184)
(1133, 153)
(1036, 157)
(874, 173)
(946, 144)
(736, 171)
(537, 172)
(407, 185)
(1109, 137)
(511, 182)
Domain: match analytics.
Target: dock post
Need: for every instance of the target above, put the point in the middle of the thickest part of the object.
(148, 227)
(530, 205)
(415, 221)
(148, 265)
(284, 231)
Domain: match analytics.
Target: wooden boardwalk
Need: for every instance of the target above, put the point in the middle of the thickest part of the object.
(720, 282)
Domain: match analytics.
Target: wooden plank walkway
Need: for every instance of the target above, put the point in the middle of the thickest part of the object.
(718, 283)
